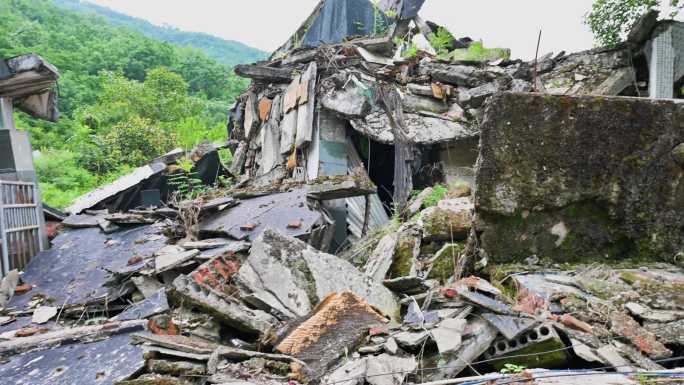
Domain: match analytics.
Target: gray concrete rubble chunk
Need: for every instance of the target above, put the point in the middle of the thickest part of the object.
(381, 258)
(411, 340)
(81, 221)
(448, 334)
(43, 314)
(651, 315)
(375, 370)
(420, 129)
(286, 275)
(510, 326)
(610, 354)
(207, 244)
(148, 286)
(417, 203)
(149, 307)
(483, 301)
(407, 285)
(227, 309)
(391, 346)
(168, 261)
(482, 336)
(7, 286)
(348, 102)
(585, 352)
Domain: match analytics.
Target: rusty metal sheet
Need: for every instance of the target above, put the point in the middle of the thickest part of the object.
(303, 92)
(104, 362)
(82, 261)
(265, 105)
(275, 211)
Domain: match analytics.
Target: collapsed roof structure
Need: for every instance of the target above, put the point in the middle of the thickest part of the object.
(295, 272)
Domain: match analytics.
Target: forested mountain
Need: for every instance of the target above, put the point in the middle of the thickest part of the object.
(224, 51)
(124, 97)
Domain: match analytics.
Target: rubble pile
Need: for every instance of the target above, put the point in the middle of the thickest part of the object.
(310, 259)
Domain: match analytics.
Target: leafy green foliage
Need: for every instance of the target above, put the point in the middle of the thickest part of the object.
(611, 20)
(513, 369)
(438, 193)
(411, 51)
(442, 41)
(124, 98)
(478, 52)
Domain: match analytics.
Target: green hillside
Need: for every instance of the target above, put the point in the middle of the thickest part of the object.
(224, 51)
(124, 97)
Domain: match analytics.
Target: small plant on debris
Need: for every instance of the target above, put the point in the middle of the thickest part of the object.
(513, 369)
(438, 193)
(442, 41)
(186, 183)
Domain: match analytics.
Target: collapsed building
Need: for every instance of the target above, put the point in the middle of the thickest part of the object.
(319, 263)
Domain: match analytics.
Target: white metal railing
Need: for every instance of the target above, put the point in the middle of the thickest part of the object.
(20, 232)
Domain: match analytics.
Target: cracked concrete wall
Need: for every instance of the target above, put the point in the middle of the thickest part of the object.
(580, 178)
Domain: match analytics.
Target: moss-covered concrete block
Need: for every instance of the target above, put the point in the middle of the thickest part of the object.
(450, 220)
(580, 178)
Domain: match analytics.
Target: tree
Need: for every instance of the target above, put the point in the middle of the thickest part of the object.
(611, 20)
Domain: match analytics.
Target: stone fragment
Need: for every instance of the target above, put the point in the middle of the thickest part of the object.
(479, 284)
(381, 258)
(336, 325)
(481, 337)
(169, 260)
(288, 278)
(671, 333)
(80, 221)
(510, 326)
(7, 287)
(176, 368)
(584, 352)
(650, 315)
(108, 227)
(411, 340)
(43, 314)
(225, 308)
(148, 286)
(417, 203)
(448, 334)
(376, 370)
(610, 355)
(207, 244)
(625, 326)
(451, 220)
(406, 285)
(482, 300)
(391, 346)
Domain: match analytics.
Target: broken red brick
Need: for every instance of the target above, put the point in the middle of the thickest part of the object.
(248, 227)
(625, 326)
(135, 260)
(21, 289)
(154, 328)
(295, 225)
(378, 331)
(27, 332)
(530, 303)
(450, 293)
(574, 323)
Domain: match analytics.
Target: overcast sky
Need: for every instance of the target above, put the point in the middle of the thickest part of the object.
(266, 24)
